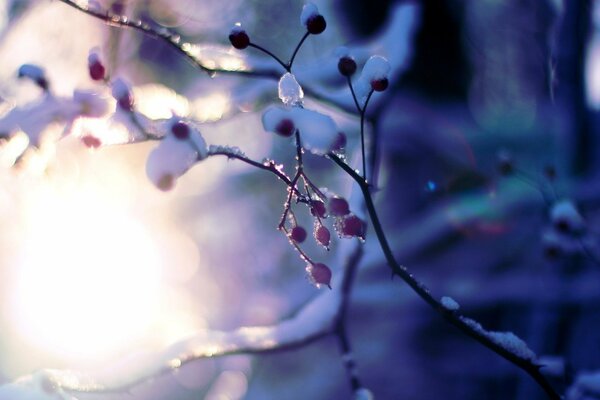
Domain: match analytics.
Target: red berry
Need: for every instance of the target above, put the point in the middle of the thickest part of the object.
(166, 182)
(97, 70)
(285, 127)
(338, 207)
(379, 85)
(180, 130)
(319, 274)
(298, 234)
(126, 102)
(340, 142)
(318, 208)
(347, 66)
(323, 236)
(316, 24)
(91, 141)
(239, 39)
(352, 226)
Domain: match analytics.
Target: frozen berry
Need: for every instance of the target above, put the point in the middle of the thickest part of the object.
(125, 102)
(340, 142)
(347, 66)
(180, 130)
(239, 38)
(379, 85)
(338, 207)
(166, 182)
(319, 274)
(316, 24)
(323, 236)
(91, 141)
(285, 127)
(97, 71)
(352, 226)
(298, 234)
(318, 209)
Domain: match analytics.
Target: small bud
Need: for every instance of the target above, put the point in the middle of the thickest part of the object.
(340, 142)
(122, 93)
(238, 37)
(319, 274)
(347, 66)
(352, 226)
(312, 20)
(318, 209)
(91, 142)
(316, 24)
(298, 234)
(323, 236)
(379, 85)
(285, 127)
(95, 66)
(338, 207)
(505, 163)
(35, 73)
(180, 130)
(566, 218)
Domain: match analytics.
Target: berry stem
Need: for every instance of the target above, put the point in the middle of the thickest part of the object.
(270, 54)
(421, 290)
(291, 62)
(363, 112)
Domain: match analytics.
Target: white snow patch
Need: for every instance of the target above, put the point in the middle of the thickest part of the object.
(586, 385)
(31, 71)
(318, 131)
(564, 211)
(309, 11)
(507, 340)
(363, 394)
(290, 92)
(376, 68)
(272, 116)
(236, 28)
(120, 88)
(449, 303)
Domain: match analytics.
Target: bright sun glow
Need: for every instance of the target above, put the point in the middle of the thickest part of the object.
(88, 280)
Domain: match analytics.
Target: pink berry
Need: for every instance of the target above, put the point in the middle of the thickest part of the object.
(352, 226)
(316, 24)
(239, 39)
(379, 85)
(298, 234)
(285, 127)
(91, 141)
(319, 274)
(323, 236)
(347, 66)
(97, 70)
(166, 182)
(338, 207)
(125, 102)
(318, 209)
(340, 142)
(180, 130)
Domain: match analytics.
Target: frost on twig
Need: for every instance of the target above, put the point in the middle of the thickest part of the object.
(314, 320)
(507, 340)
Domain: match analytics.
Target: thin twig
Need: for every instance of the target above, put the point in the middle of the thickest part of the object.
(451, 316)
(291, 62)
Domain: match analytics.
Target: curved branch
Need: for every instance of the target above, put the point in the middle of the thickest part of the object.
(466, 325)
(172, 40)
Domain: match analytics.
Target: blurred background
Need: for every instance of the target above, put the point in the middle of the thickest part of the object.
(98, 267)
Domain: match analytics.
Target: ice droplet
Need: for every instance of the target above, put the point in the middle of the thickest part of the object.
(290, 92)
